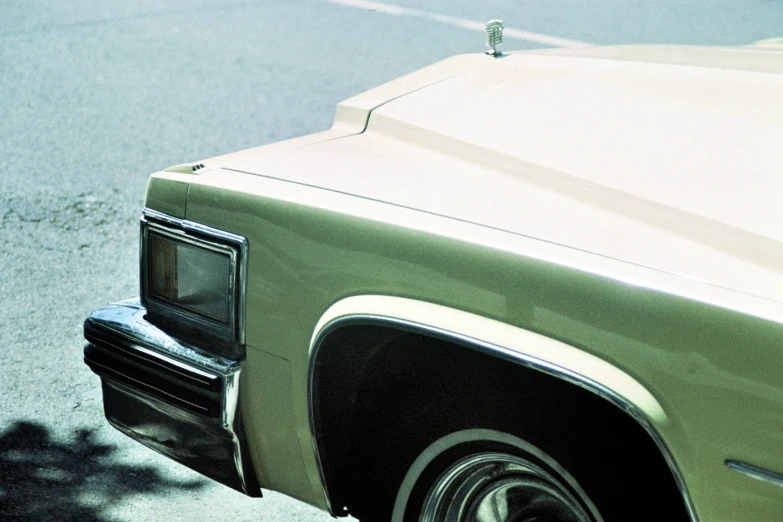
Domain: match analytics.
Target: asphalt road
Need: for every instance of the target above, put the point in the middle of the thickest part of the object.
(95, 96)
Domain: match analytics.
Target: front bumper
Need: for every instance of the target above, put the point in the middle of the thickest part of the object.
(170, 397)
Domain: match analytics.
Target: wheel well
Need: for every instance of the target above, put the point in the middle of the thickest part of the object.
(382, 394)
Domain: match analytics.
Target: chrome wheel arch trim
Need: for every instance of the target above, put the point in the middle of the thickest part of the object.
(511, 343)
(460, 437)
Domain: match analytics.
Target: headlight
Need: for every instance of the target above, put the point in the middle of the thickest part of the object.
(190, 277)
(192, 282)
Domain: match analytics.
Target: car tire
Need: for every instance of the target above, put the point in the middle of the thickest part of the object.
(482, 475)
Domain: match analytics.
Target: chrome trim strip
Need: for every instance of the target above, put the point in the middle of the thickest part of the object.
(126, 318)
(230, 422)
(160, 216)
(754, 472)
(193, 226)
(506, 354)
(158, 355)
(224, 241)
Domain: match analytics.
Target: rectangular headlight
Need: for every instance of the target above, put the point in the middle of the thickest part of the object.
(191, 282)
(190, 277)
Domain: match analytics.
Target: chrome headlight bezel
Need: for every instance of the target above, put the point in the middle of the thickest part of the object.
(221, 338)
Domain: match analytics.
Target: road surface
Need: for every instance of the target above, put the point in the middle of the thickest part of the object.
(94, 96)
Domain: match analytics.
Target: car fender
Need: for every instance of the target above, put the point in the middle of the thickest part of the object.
(519, 346)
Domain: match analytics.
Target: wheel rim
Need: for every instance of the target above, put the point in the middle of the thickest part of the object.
(500, 487)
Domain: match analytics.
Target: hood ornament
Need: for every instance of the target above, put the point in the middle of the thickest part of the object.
(494, 29)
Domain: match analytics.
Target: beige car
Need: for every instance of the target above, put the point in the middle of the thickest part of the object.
(534, 286)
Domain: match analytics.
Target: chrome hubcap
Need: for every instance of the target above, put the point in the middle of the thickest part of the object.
(498, 487)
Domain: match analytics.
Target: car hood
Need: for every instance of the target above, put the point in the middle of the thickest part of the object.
(666, 157)
(703, 142)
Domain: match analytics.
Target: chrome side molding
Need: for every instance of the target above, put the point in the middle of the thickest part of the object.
(754, 472)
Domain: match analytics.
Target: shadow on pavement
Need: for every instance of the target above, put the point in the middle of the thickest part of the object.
(42, 479)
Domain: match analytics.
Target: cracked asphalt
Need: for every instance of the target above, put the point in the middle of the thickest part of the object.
(95, 96)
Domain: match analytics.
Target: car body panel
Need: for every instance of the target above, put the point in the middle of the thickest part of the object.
(754, 57)
(549, 235)
(310, 248)
(167, 190)
(630, 191)
(685, 138)
(513, 344)
(691, 139)
(461, 183)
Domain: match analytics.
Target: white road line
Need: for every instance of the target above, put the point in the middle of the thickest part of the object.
(508, 32)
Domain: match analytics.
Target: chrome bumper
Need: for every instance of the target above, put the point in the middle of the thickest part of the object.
(170, 397)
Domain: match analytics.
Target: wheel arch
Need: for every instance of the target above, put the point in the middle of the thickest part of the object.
(500, 340)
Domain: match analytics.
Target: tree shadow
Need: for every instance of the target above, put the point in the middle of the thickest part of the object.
(42, 479)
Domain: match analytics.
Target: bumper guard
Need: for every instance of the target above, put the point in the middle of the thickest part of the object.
(174, 399)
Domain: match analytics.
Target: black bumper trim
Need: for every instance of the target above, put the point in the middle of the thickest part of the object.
(110, 355)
